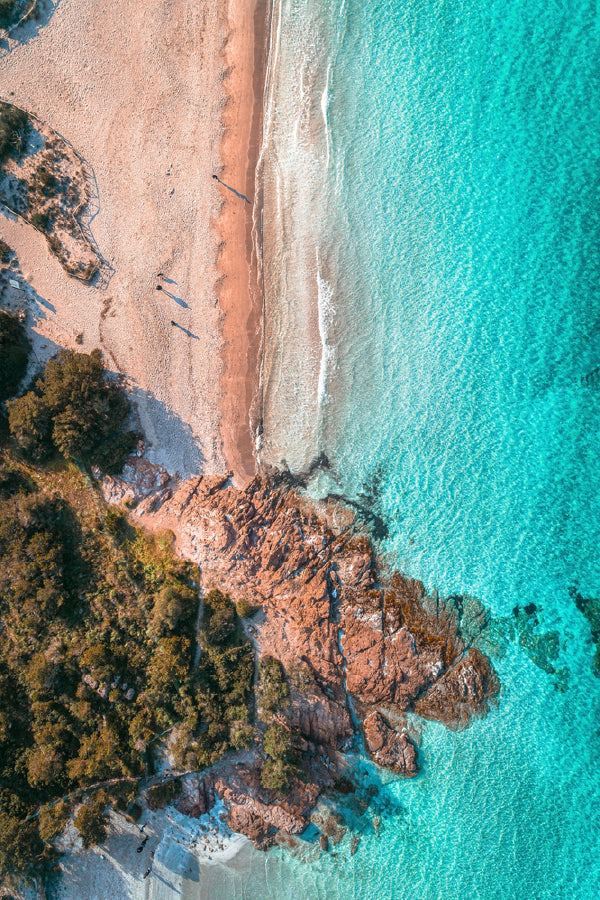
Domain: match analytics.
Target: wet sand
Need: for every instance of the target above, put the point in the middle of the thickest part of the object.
(240, 292)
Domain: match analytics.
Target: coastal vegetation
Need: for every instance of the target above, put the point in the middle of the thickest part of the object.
(45, 181)
(97, 625)
(278, 742)
(14, 123)
(221, 720)
(14, 354)
(8, 12)
(12, 11)
(74, 411)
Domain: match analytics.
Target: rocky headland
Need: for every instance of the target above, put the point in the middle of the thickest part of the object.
(360, 648)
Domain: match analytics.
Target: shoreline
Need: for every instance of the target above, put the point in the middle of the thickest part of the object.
(239, 286)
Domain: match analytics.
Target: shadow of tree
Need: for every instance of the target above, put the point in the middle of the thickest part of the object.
(169, 440)
(26, 29)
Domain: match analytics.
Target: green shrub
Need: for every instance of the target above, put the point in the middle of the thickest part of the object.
(277, 741)
(219, 621)
(14, 354)
(115, 522)
(5, 252)
(272, 686)
(52, 819)
(39, 220)
(9, 12)
(91, 821)
(13, 129)
(275, 776)
(244, 609)
(20, 844)
(162, 794)
(75, 411)
(241, 735)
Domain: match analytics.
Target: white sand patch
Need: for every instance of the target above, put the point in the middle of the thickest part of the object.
(176, 852)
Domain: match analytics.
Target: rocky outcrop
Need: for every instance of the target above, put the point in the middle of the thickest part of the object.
(348, 637)
(463, 691)
(258, 813)
(140, 481)
(389, 747)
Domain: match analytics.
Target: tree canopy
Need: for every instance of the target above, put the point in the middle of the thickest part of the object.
(14, 354)
(13, 121)
(75, 411)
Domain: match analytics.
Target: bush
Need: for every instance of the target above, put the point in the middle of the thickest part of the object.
(13, 126)
(20, 845)
(244, 609)
(277, 741)
(219, 617)
(52, 819)
(173, 604)
(272, 686)
(91, 821)
(14, 354)
(29, 423)
(75, 411)
(9, 12)
(275, 776)
(241, 735)
(115, 522)
(39, 220)
(5, 253)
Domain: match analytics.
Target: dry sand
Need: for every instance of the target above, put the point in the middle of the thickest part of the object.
(179, 857)
(140, 91)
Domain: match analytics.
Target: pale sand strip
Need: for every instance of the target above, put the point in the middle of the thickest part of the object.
(138, 91)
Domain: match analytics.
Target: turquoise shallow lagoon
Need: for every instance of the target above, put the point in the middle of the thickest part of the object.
(433, 324)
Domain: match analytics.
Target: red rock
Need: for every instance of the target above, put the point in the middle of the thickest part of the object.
(389, 747)
(464, 691)
(324, 605)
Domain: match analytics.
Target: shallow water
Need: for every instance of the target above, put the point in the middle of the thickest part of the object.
(431, 232)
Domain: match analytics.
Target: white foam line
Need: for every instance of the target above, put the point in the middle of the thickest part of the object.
(325, 315)
(325, 107)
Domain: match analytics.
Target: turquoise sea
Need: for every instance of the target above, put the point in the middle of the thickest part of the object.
(431, 225)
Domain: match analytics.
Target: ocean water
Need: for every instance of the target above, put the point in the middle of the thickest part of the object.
(431, 222)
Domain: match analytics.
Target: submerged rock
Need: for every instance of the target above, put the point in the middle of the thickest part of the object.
(590, 608)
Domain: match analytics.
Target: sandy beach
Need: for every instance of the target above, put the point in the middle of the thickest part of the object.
(240, 292)
(157, 104)
(176, 856)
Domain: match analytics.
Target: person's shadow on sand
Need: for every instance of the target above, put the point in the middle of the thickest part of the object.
(185, 330)
(173, 297)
